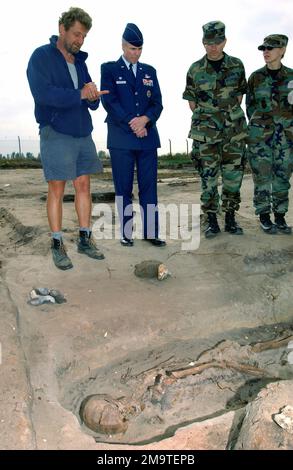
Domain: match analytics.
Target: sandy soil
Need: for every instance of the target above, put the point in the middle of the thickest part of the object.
(117, 332)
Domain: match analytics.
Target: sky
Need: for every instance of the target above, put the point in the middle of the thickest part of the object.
(172, 42)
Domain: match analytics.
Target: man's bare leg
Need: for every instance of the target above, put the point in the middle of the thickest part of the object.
(54, 211)
(83, 200)
(54, 204)
(83, 206)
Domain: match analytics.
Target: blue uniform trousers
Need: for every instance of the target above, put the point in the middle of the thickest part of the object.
(123, 165)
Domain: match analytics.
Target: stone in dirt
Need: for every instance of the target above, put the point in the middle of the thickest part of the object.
(149, 269)
(43, 295)
(285, 418)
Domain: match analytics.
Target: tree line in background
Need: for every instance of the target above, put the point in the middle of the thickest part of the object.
(29, 160)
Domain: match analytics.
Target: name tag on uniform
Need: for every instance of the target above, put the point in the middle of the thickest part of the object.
(147, 82)
(121, 82)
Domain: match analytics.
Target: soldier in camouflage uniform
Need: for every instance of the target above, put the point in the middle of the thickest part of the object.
(214, 88)
(270, 149)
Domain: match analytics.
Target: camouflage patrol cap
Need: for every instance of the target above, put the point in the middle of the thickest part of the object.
(274, 40)
(213, 32)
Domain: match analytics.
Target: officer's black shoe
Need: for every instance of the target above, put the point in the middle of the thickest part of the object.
(213, 227)
(126, 241)
(60, 257)
(231, 225)
(267, 225)
(156, 241)
(281, 224)
(86, 246)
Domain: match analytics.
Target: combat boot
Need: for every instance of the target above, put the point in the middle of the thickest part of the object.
(213, 227)
(267, 225)
(231, 225)
(281, 224)
(86, 246)
(60, 257)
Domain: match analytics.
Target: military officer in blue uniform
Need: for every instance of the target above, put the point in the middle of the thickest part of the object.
(133, 106)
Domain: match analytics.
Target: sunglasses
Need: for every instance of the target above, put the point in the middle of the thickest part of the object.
(267, 48)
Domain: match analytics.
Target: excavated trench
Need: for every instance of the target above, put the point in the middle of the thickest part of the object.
(148, 394)
(128, 402)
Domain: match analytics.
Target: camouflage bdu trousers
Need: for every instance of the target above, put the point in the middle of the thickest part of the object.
(271, 163)
(212, 160)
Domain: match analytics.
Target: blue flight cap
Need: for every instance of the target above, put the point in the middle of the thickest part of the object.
(133, 35)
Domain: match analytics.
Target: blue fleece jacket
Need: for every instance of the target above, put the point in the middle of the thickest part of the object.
(57, 102)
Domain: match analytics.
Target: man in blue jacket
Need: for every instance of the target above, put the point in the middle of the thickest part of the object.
(63, 93)
(133, 106)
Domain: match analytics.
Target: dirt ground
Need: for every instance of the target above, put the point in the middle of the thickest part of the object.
(117, 334)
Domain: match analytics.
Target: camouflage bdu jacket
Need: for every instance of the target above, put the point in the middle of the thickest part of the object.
(268, 105)
(218, 115)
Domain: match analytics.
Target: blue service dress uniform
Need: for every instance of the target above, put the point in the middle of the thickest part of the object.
(131, 96)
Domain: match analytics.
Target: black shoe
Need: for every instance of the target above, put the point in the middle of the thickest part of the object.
(126, 241)
(60, 258)
(231, 225)
(281, 224)
(267, 225)
(156, 241)
(87, 247)
(213, 227)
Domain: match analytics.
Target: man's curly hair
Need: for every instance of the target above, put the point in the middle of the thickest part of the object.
(68, 18)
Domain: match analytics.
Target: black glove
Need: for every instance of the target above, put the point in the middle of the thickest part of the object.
(195, 155)
(244, 157)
